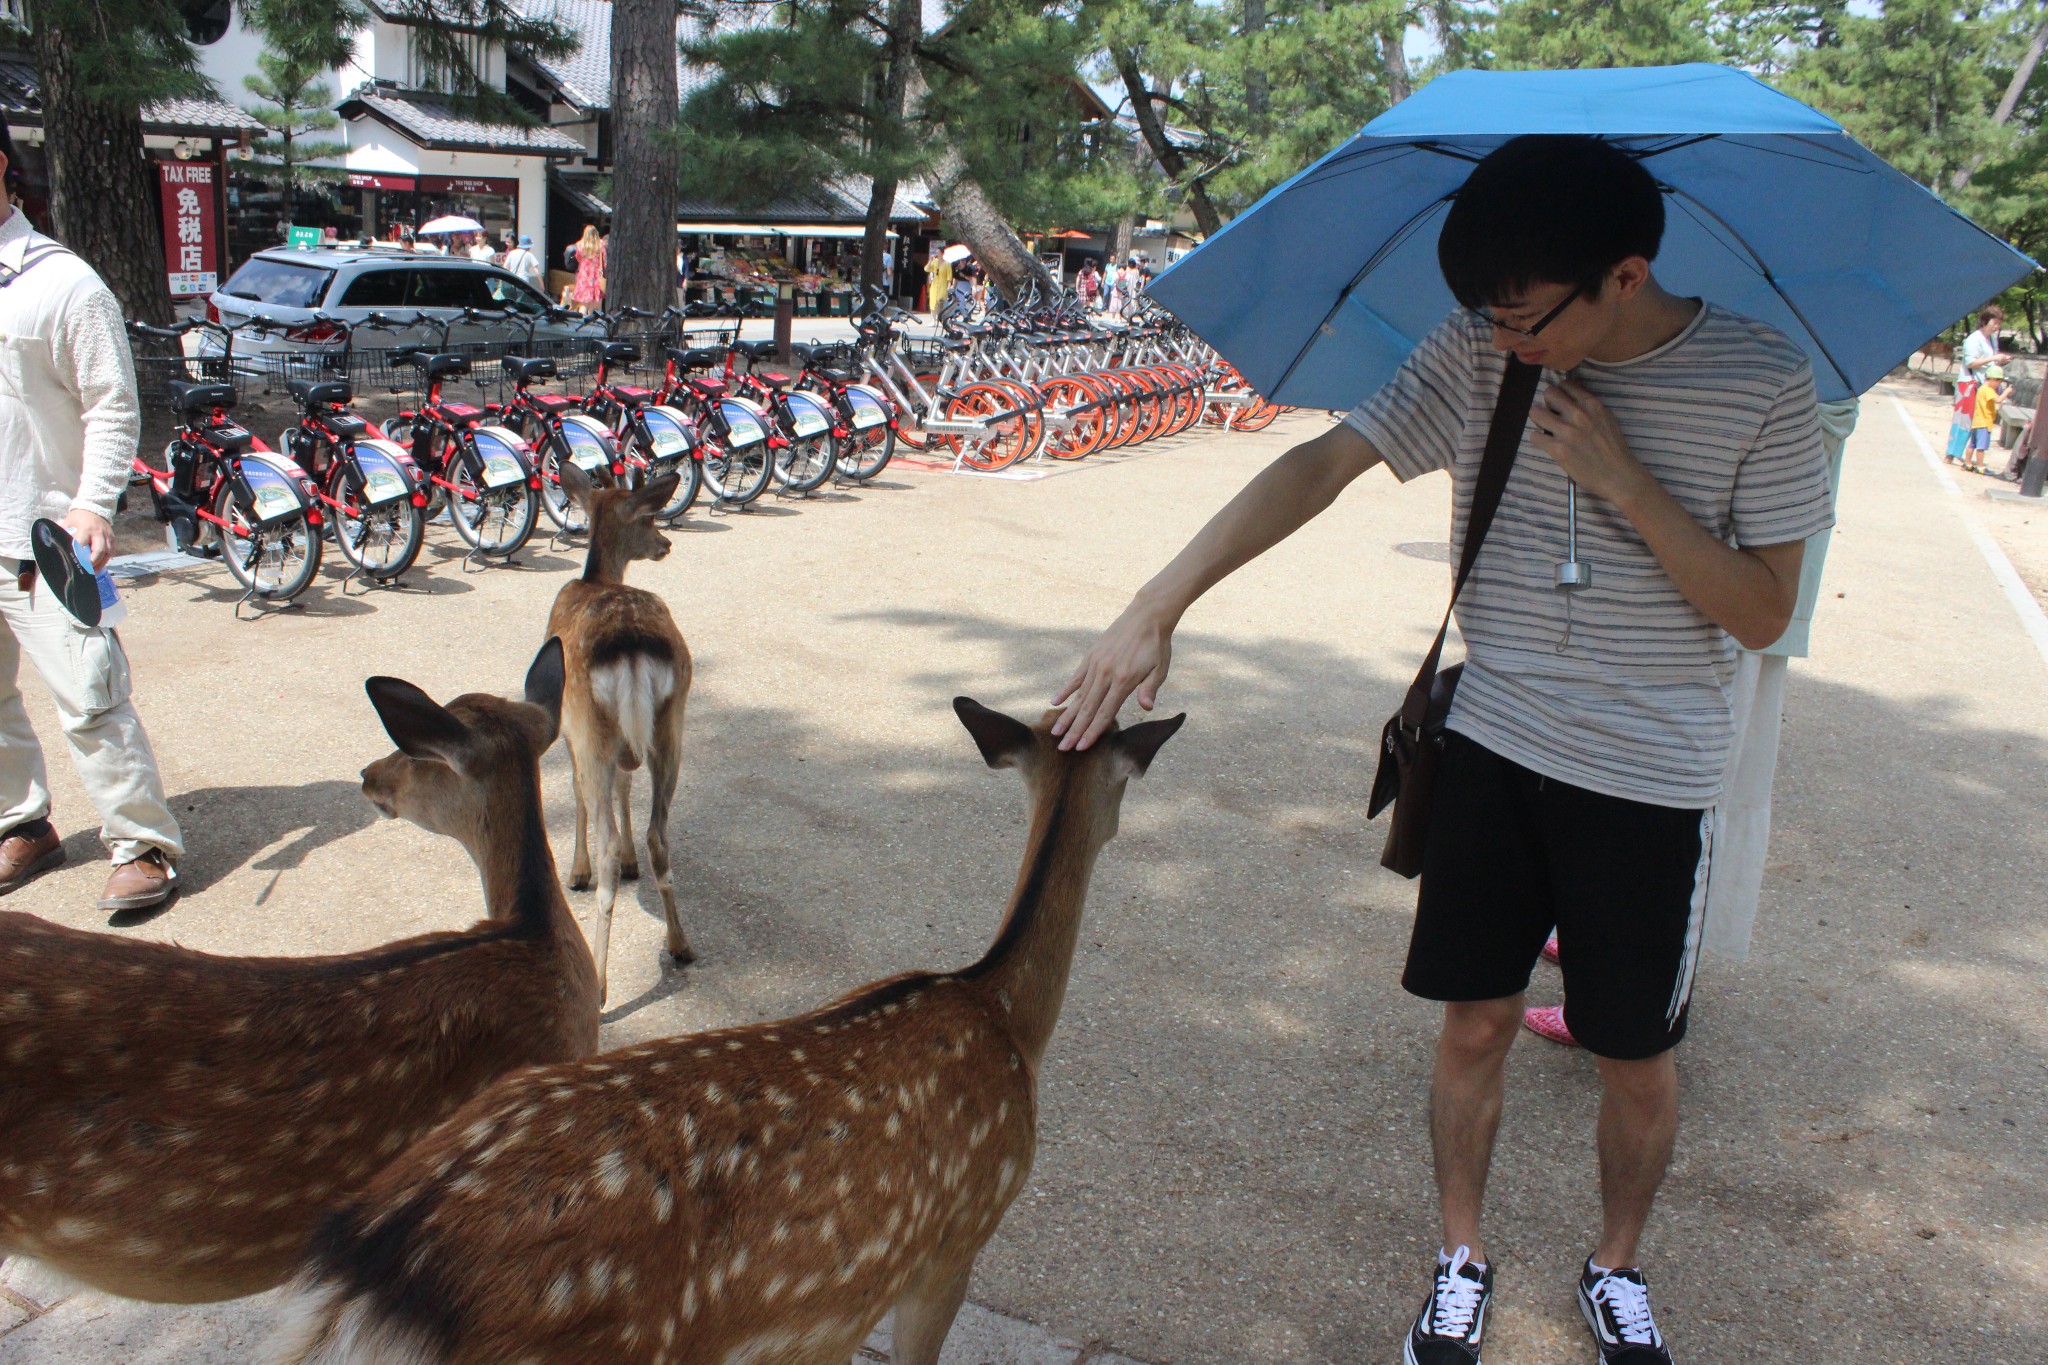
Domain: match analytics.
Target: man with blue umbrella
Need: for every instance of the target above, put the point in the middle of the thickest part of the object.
(1591, 727)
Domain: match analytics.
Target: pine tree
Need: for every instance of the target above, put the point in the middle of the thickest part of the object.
(297, 111)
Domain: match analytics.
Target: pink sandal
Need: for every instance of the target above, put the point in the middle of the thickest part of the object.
(1548, 1022)
(1550, 949)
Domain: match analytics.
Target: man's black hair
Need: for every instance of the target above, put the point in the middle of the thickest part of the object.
(1547, 209)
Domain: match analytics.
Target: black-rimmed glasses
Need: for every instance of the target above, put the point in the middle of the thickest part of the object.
(1533, 329)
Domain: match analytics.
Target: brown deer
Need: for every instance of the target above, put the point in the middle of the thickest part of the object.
(628, 674)
(173, 1125)
(758, 1194)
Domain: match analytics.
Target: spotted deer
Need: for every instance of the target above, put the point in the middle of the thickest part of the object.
(758, 1194)
(628, 674)
(173, 1124)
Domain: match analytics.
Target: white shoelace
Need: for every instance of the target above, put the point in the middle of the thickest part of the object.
(1457, 1298)
(1630, 1304)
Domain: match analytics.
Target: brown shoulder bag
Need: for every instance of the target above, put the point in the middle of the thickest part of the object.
(1412, 744)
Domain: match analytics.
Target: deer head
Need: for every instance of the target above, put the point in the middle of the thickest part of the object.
(1098, 773)
(622, 525)
(456, 764)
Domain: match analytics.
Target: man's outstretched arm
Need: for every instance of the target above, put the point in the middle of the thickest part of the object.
(1133, 654)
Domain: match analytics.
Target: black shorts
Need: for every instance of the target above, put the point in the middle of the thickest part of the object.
(1512, 855)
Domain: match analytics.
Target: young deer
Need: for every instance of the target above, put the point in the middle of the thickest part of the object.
(628, 676)
(173, 1125)
(759, 1194)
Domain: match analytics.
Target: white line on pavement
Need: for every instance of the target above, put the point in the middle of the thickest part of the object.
(2031, 615)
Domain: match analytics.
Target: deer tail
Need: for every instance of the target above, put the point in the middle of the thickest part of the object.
(634, 688)
(322, 1324)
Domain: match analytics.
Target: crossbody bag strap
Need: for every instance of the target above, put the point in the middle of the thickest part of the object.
(1503, 439)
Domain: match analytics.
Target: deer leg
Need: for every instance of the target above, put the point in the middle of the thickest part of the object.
(579, 863)
(925, 1313)
(662, 766)
(622, 802)
(595, 791)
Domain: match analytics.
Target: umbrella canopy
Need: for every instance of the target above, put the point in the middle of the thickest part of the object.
(454, 222)
(1320, 290)
(957, 252)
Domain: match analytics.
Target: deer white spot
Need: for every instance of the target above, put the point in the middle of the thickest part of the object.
(561, 1295)
(791, 1181)
(894, 1127)
(779, 1233)
(611, 1174)
(715, 1283)
(1003, 999)
(853, 1099)
(690, 1301)
(806, 1285)
(797, 1054)
(664, 1202)
(712, 1093)
(73, 1230)
(597, 1278)
(773, 1289)
(689, 1131)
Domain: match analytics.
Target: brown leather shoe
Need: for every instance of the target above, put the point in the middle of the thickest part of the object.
(147, 881)
(26, 856)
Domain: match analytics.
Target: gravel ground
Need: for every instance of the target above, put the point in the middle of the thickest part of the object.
(1233, 1163)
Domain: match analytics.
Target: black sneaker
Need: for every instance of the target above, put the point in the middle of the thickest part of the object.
(1454, 1319)
(1617, 1308)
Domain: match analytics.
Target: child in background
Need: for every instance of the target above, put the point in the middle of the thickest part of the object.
(1959, 418)
(1984, 416)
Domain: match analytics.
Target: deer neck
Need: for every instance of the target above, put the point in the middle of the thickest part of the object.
(514, 860)
(1026, 968)
(606, 561)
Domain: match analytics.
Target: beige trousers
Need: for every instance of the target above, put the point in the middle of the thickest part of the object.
(87, 674)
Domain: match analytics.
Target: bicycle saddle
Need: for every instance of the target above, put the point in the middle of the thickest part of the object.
(522, 369)
(319, 392)
(192, 399)
(619, 352)
(757, 350)
(698, 358)
(839, 376)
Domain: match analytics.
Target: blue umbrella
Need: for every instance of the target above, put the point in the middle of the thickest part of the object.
(1320, 290)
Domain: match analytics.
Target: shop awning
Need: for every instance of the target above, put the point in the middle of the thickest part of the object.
(776, 229)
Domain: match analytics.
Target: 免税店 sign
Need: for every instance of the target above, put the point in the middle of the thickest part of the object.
(191, 227)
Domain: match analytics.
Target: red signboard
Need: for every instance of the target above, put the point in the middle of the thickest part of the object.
(359, 181)
(456, 184)
(191, 228)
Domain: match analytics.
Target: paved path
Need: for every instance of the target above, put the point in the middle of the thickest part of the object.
(1234, 1165)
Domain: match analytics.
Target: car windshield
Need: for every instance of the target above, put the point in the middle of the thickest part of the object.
(284, 284)
(507, 292)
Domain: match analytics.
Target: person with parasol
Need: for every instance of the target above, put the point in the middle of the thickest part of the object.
(1638, 427)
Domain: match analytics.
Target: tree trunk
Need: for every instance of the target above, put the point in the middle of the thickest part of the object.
(2014, 88)
(904, 18)
(1163, 151)
(1120, 239)
(971, 219)
(1394, 62)
(640, 263)
(103, 195)
(1258, 87)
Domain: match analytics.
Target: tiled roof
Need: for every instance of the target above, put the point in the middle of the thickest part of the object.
(429, 121)
(585, 75)
(21, 97)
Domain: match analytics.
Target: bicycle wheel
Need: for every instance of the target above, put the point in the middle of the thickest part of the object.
(1084, 427)
(864, 454)
(1034, 412)
(687, 469)
(804, 465)
(381, 542)
(907, 428)
(737, 477)
(1256, 415)
(491, 521)
(273, 562)
(563, 512)
(1004, 442)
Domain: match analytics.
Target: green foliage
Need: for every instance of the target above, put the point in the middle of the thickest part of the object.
(294, 110)
(1581, 33)
(128, 52)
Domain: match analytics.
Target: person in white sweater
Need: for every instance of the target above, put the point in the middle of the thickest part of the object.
(68, 427)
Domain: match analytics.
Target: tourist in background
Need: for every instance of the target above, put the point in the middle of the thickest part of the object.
(587, 256)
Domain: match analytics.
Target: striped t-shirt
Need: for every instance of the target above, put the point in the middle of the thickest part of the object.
(1630, 695)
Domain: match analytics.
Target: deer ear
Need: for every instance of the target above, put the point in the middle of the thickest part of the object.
(575, 482)
(420, 726)
(1135, 747)
(544, 684)
(656, 495)
(1002, 739)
